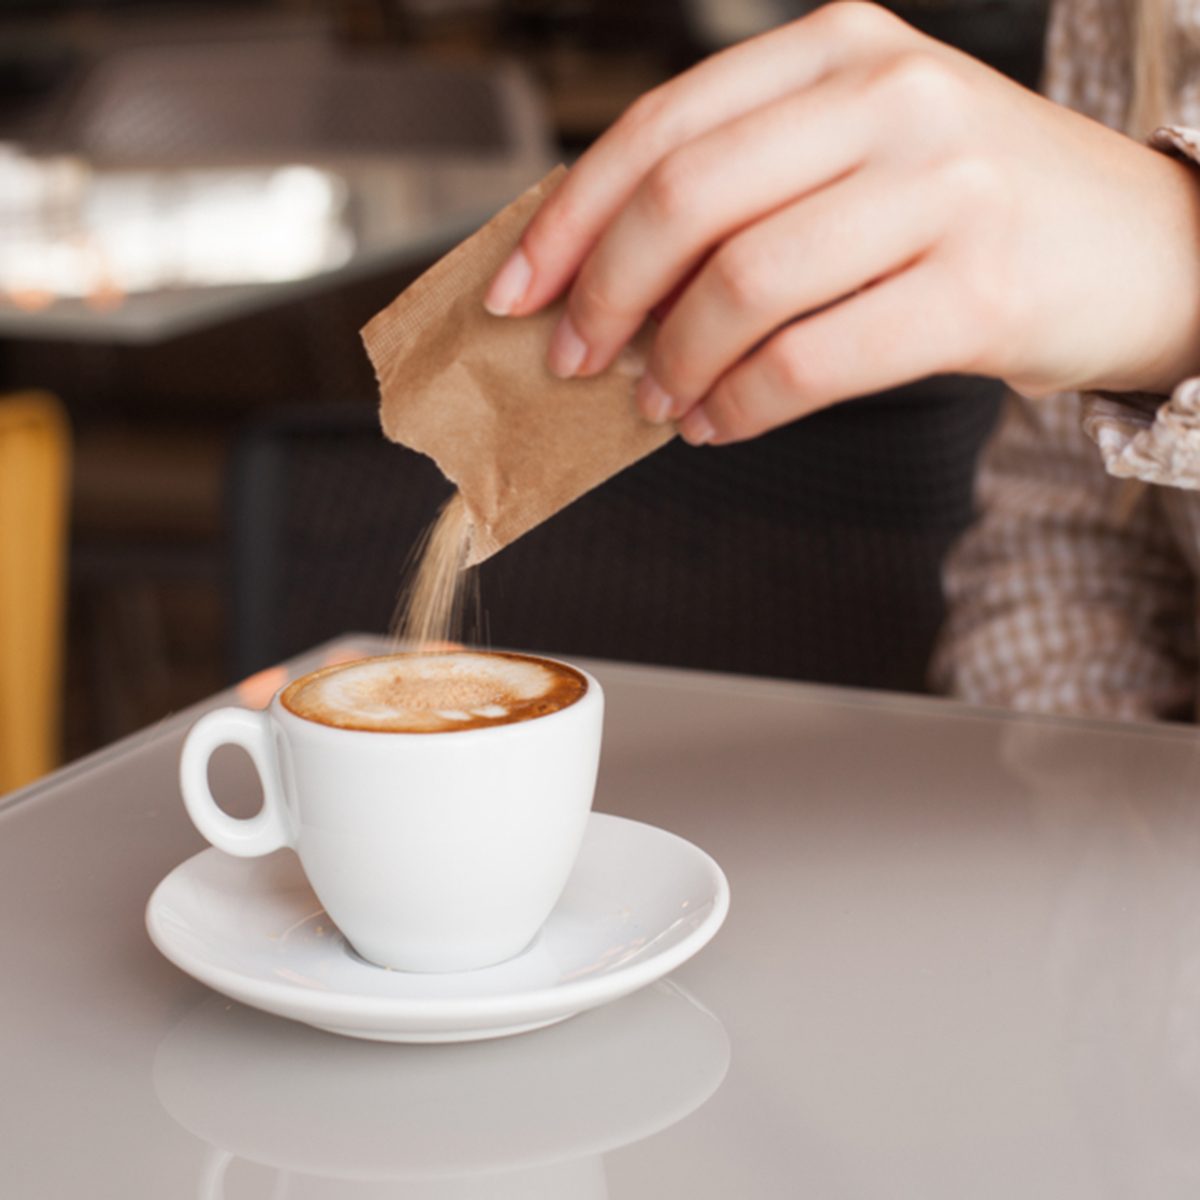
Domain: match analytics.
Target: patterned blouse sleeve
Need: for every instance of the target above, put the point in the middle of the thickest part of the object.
(1070, 594)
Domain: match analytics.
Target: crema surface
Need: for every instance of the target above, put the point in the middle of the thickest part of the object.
(434, 693)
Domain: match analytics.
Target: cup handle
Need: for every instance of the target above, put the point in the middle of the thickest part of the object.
(245, 837)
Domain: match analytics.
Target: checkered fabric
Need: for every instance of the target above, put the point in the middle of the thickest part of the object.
(1075, 592)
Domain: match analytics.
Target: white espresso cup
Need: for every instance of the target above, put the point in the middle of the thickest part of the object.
(431, 851)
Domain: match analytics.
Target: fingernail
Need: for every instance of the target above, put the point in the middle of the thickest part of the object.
(696, 428)
(567, 350)
(510, 285)
(655, 404)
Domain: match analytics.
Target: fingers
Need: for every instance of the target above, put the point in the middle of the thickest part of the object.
(693, 199)
(718, 90)
(803, 258)
(898, 331)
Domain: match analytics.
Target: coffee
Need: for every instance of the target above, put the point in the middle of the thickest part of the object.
(434, 693)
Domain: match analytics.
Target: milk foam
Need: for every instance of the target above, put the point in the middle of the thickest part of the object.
(432, 693)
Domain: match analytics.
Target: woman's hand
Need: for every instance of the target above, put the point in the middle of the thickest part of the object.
(843, 205)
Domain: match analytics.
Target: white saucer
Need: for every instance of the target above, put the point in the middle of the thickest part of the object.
(639, 903)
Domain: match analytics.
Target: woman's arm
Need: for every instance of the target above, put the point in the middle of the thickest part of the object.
(844, 204)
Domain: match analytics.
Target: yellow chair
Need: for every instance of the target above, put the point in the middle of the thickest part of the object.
(34, 465)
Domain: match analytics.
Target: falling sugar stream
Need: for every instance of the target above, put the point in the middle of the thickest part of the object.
(433, 607)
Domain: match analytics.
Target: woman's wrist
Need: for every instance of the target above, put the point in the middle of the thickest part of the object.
(1169, 351)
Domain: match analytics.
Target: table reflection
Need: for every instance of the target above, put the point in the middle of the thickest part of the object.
(287, 1111)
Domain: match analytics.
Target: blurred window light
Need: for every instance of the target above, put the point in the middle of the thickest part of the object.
(72, 232)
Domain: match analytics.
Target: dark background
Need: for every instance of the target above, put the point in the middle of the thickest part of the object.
(232, 501)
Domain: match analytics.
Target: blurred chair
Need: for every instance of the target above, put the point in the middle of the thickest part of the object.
(34, 457)
(812, 553)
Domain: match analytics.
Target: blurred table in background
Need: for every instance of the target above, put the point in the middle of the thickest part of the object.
(182, 186)
(153, 254)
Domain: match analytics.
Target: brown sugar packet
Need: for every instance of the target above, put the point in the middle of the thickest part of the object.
(473, 392)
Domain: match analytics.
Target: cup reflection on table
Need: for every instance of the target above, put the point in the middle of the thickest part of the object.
(290, 1113)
